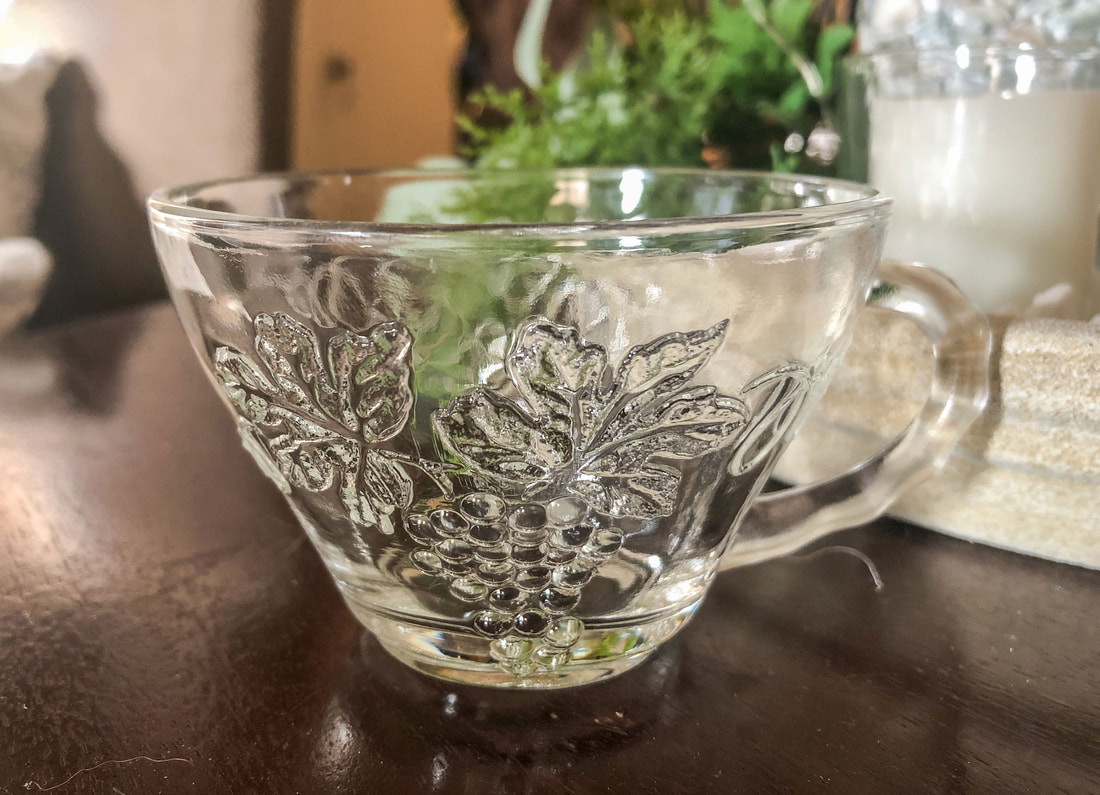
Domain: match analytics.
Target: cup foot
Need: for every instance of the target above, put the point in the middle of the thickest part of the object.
(490, 675)
(601, 652)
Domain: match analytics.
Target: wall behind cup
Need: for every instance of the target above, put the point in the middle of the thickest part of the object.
(149, 94)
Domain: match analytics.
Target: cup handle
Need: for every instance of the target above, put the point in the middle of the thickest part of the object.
(782, 521)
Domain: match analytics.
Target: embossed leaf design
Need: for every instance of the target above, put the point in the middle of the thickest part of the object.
(310, 410)
(497, 439)
(385, 489)
(245, 386)
(255, 444)
(684, 425)
(578, 428)
(777, 397)
(647, 366)
(646, 494)
(365, 383)
(559, 375)
(651, 373)
(309, 456)
(372, 379)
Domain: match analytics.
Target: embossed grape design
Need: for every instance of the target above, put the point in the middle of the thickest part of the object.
(525, 564)
(569, 447)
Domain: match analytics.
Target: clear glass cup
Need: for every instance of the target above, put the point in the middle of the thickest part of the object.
(526, 418)
(992, 155)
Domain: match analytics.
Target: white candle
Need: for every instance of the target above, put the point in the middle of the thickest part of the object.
(999, 192)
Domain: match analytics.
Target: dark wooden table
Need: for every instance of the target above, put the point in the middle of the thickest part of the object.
(164, 627)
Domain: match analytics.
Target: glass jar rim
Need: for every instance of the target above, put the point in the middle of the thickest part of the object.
(1048, 53)
(860, 200)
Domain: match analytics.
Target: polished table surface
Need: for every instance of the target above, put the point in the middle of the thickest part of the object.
(164, 627)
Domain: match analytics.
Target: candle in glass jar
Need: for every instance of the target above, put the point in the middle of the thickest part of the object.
(999, 192)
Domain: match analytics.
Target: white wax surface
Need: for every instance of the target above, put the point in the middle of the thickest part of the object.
(1000, 193)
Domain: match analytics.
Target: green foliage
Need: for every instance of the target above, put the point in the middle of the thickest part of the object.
(737, 77)
(692, 75)
(473, 301)
(617, 111)
(832, 44)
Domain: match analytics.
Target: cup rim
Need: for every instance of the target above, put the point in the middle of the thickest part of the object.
(170, 202)
(1044, 53)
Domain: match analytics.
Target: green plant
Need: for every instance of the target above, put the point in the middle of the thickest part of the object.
(688, 77)
(732, 80)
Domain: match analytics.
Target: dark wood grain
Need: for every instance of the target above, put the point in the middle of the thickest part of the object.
(158, 602)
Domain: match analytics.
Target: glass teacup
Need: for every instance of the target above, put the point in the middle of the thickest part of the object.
(525, 418)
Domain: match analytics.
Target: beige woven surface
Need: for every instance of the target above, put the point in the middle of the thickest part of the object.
(1026, 476)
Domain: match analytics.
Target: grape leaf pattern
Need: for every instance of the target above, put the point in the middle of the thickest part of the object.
(536, 475)
(578, 427)
(307, 413)
(574, 447)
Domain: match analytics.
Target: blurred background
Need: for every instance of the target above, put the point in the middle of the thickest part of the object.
(101, 101)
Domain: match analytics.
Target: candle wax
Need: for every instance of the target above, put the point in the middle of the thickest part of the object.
(999, 192)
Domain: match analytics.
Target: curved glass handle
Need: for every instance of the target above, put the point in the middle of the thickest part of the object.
(781, 522)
